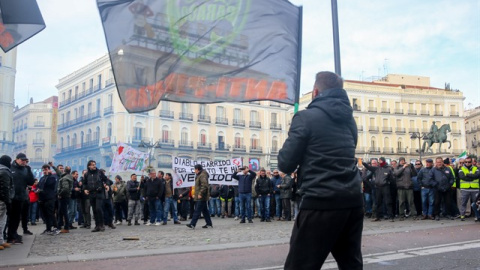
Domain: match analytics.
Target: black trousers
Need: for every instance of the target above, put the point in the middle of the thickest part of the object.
(287, 209)
(63, 213)
(442, 196)
(48, 210)
(97, 206)
(316, 233)
(15, 215)
(383, 195)
(121, 210)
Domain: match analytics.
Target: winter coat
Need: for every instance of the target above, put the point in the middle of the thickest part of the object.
(47, 188)
(321, 144)
(214, 190)
(94, 182)
(120, 194)
(404, 176)
(22, 177)
(423, 178)
(65, 186)
(245, 181)
(7, 190)
(227, 192)
(442, 178)
(133, 191)
(383, 175)
(286, 187)
(263, 186)
(201, 186)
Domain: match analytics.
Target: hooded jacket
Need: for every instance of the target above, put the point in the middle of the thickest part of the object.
(6, 185)
(22, 177)
(322, 141)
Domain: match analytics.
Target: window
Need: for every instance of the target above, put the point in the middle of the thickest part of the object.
(373, 143)
(138, 131)
(237, 114)
(254, 142)
(399, 123)
(97, 134)
(38, 153)
(99, 81)
(76, 92)
(221, 140)
(412, 123)
(203, 137)
(165, 105)
(185, 108)
(203, 110)
(109, 130)
(254, 116)
(238, 140)
(74, 140)
(110, 100)
(220, 112)
(372, 122)
(165, 134)
(400, 144)
(68, 140)
(184, 136)
(90, 108)
(386, 142)
(385, 123)
(275, 143)
(274, 118)
(98, 105)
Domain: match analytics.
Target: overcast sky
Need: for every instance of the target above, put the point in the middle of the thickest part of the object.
(433, 38)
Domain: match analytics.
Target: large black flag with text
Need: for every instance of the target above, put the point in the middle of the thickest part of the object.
(19, 21)
(202, 51)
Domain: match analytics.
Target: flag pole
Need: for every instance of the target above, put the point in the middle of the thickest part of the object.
(336, 39)
(299, 59)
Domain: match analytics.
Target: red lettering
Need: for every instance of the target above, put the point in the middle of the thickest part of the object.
(278, 91)
(256, 89)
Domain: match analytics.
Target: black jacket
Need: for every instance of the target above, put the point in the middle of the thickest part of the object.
(227, 192)
(94, 182)
(245, 181)
(383, 175)
(22, 177)
(6, 185)
(442, 178)
(47, 187)
(263, 186)
(133, 191)
(423, 178)
(155, 188)
(214, 190)
(322, 141)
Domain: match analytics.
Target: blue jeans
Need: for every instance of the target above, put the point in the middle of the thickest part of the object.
(170, 203)
(33, 212)
(245, 202)
(155, 209)
(237, 206)
(215, 206)
(474, 209)
(368, 202)
(264, 209)
(278, 205)
(428, 198)
(72, 210)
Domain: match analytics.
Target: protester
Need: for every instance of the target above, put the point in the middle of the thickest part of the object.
(64, 191)
(6, 194)
(245, 178)
(201, 197)
(134, 203)
(120, 200)
(46, 200)
(95, 185)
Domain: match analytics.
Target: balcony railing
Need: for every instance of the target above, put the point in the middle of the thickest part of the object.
(373, 128)
(456, 132)
(387, 129)
(108, 110)
(388, 150)
(398, 111)
(374, 149)
(256, 149)
(186, 116)
(204, 146)
(454, 113)
(359, 127)
(239, 148)
(400, 130)
(185, 144)
(372, 109)
(356, 107)
(438, 113)
(109, 82)
(39, 124)
(412, 112)
(167, 114)
(274, 150)
(401, 150)
(424, 112)
(79, 120)
(413, 130)
(165, 143)
(222, 147)
(275, 126)
(239, 122)
(221, 121)
(360, 150)
(385, 110)
(255, 124)
(39, 142)
(203, 118)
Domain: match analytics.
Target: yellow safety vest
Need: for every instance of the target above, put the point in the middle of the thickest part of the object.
(469, 184)
(454, 177)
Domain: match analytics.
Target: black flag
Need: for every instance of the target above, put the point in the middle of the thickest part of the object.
(19, 21)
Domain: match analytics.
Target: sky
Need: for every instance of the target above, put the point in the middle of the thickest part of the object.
(439, 39)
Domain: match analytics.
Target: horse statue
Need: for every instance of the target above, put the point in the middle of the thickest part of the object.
(440, 136)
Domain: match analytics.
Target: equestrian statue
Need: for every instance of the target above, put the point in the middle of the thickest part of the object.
(436, 135)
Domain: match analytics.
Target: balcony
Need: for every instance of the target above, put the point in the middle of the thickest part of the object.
(385, 110)
(203, 118)
(387, 129)
(108, 110)
(39, 124)
(186, 116)
(79, 120)
(401, 150)
(165, 143)
(388, 150)
(256, 149)
(204, 146)
(398, 111)
(185, 144)
(359, 127)
(221, 121)
(274, 104)
(138, 140)
(374, 150)
(438, 113)
(239, 122)
(412, 112)
(373, 129)
(372, 109)
(222, 147)
(20, 145)
(410, 130)
(356, 107)
(255, 124)
(360, 150)
(166, 114)
(400, 130)
(424, 112)
(275, 126)
(38, 142)
(454, 113)
(109, 82)
(239, 148)
(274, 150)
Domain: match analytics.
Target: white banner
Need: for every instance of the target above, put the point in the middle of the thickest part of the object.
(129, 159)
(219, 171)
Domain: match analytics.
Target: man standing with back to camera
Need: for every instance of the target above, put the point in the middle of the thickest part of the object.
(321, 142)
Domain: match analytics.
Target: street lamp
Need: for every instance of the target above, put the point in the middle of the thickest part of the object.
(419, 136)
(149, 147)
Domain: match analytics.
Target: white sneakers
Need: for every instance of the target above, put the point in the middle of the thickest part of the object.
(158, 224)
(118, 223)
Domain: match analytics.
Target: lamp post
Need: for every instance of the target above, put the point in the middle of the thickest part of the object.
(419, 136)
(149, 147)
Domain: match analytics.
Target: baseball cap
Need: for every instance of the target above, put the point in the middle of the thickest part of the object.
(429, 160)
(22, 156)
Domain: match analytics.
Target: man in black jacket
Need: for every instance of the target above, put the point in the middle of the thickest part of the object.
(264, 189)
(47, 195)
(6, 193)
(245, 179)
(155, 195)
(321, 143)
(22, 177)
(95, 186)
(383, 177)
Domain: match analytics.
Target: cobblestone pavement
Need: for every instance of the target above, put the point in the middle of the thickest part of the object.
(225, 231)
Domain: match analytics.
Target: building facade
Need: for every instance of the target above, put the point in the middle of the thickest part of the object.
(389, 111)
(8, 69)
(34, 130)
(92, 120)
(472, 130)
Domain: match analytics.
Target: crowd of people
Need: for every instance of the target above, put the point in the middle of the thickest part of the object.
(432, 191)
(62, 197)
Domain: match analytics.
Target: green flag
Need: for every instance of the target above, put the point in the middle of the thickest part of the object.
(463, 155)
